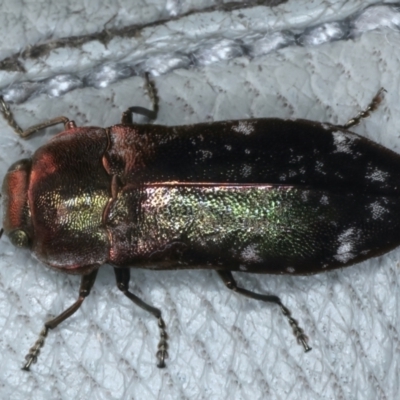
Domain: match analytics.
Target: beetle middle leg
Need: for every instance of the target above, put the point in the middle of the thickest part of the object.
(84, 291)
(298, 332)
(9, 117)
(123, 276)
(372, 106)
(150, 114)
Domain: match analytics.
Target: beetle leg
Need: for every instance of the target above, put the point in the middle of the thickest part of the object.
(9, 117)
(372, 106)
(298, 332)
(126, 118)
(150, 114)
(84, 290)
(152, 91)
(123, 276)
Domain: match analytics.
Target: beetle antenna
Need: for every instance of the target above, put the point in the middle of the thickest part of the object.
(372, 106)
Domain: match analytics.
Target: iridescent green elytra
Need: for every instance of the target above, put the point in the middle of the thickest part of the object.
(293, 230)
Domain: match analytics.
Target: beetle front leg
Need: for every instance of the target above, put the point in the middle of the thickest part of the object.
(84, 291)
(367, 112)
(150, 114)
(9, 117)
(123, 276)
(298, 332)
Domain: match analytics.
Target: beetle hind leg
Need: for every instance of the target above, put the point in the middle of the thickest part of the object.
(372, 106)
(123, 276)
(298, 332)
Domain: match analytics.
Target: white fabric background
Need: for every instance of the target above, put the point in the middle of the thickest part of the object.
(222, 346)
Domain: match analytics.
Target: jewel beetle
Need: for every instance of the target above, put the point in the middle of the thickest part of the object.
(268, 196)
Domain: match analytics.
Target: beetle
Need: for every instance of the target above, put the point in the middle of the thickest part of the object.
(265, 195)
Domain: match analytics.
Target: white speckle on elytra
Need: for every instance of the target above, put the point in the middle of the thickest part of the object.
(290, 270)
(304, 195)
(343, 141)
(242, 267)
(250, 254)
(205, 154)
(318, 167)
(377, 175)
(244, 127)
(324, 200)
(347, 240)
(377, 210)
(246, 170)
(282, 177)
(247, 151)
(228, 147)
(296, 159)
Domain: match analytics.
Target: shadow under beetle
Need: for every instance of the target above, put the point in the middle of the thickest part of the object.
(260, 195)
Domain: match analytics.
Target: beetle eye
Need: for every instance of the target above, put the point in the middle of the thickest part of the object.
(19, 238)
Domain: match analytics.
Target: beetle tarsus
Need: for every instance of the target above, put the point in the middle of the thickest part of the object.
(122, 276)
(298, 332)
(162, 352)
(32, 356)
(372, 106)
(303, 342)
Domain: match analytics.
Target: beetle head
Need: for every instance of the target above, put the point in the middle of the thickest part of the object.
(16, 213)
